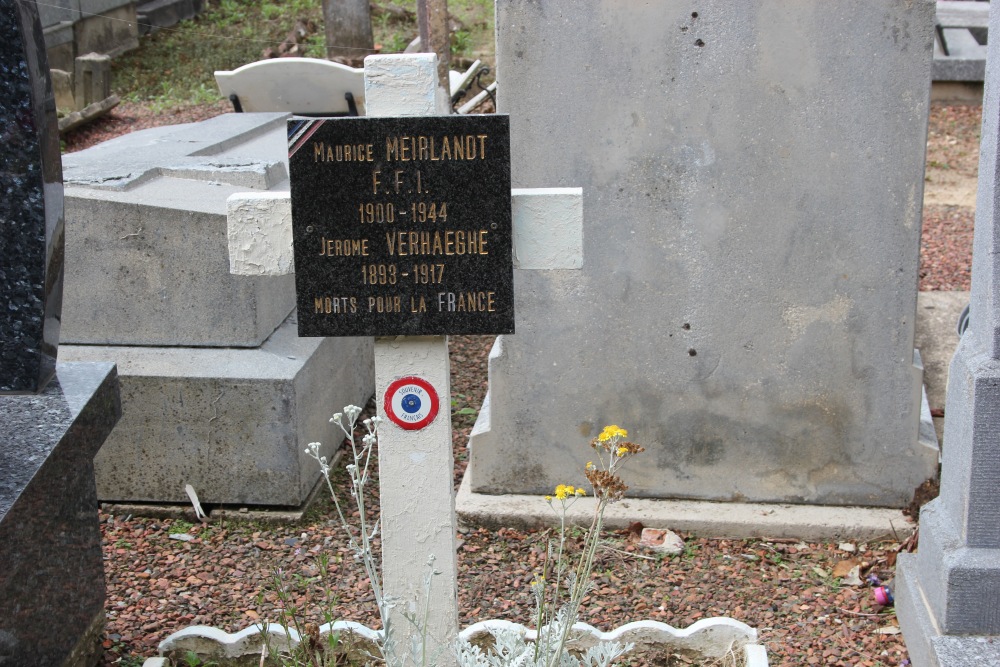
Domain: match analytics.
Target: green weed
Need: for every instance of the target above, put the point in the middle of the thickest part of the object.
(179, 526)
(460, 407)
(117, 649)
(192, 659)
(461, 42)
(690, 551)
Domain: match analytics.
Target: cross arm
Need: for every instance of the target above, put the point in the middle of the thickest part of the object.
(547, 230)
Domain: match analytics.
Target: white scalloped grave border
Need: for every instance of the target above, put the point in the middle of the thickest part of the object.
(709, 637)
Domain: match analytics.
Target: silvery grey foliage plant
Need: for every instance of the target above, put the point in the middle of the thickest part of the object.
(557, 606)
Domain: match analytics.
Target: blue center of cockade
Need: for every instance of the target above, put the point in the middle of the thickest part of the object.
(410, 403)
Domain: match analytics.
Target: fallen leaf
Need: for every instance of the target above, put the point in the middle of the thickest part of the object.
(662, 541)
(635, 531)
(853, 578)
(888, 630)
(252, 614)
(843, 567)
(821, 572)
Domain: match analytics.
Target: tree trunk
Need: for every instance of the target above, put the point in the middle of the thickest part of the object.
(432, 19)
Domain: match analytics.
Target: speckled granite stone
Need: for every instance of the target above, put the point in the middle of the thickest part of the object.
(52, 574)
(31, 218)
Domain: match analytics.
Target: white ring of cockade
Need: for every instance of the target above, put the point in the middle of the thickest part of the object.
(411, 403)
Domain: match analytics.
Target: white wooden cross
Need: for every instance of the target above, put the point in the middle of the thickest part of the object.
(417, 501)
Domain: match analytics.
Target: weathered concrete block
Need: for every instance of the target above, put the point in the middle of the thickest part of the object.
(62, 88)
(103, 6)
(965, 59)
(92, 79)
(146, 246)
(59, 46)
(752, 180)
(232, 423)
(156, 14)
(106, 26)
(53, 12)
(144, 275)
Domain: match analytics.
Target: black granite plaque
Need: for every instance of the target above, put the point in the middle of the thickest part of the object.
(402, 226)
(31, 224)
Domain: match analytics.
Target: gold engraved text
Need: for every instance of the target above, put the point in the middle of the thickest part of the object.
(451, 242)
(323, 152)
(436, 149)
(335, 305)
(466, 302)
(343, 247)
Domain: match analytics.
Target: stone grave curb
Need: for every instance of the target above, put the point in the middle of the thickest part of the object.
(703, 518)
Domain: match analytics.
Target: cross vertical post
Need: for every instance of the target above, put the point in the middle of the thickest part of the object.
(416, 491)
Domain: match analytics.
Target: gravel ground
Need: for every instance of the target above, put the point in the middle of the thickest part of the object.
(791, 592)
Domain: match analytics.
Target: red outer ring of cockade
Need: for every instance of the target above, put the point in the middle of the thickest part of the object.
(423, 384)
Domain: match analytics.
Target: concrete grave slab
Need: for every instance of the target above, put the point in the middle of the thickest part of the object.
(233, 423)
(146, 251)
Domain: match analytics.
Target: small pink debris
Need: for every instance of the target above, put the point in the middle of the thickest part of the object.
(661, 541)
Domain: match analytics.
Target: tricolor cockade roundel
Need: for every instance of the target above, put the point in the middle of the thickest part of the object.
(411, 403)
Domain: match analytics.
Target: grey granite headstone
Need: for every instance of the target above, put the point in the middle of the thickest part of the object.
(752, 176)
(51, 563)
(948, 593)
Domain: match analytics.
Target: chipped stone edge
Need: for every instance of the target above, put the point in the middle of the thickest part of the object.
(710, 637)
(259, 229)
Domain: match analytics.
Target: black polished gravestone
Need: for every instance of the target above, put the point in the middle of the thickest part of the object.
(51, 564)
(402, 226)
(53, 417)
(31, 207)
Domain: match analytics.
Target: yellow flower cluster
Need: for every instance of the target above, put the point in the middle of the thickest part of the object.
(611, 432)
(564, 491)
